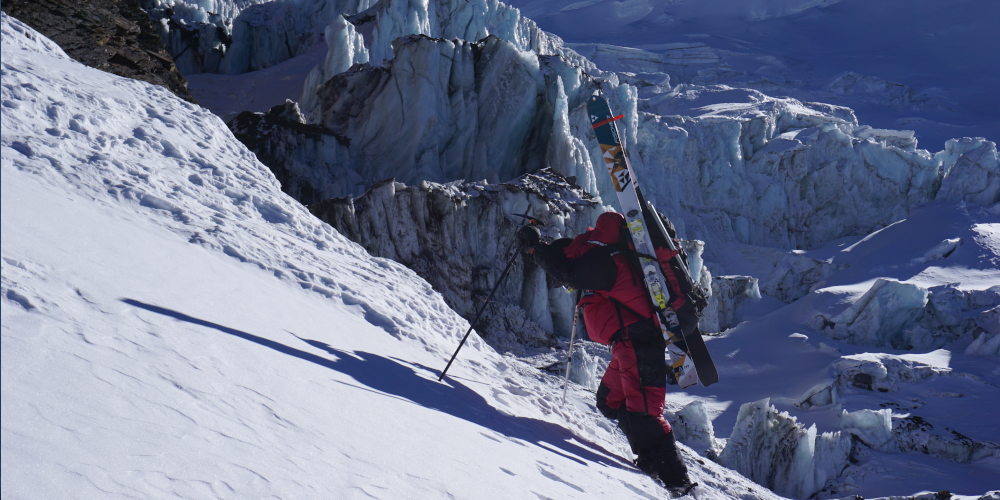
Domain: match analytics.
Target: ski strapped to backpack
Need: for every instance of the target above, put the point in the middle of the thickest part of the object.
(677, 300)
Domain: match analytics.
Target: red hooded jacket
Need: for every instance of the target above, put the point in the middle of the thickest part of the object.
(603, 317)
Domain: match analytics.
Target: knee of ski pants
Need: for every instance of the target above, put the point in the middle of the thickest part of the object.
(603, 391)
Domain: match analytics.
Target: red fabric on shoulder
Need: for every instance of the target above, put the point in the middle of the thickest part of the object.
(608, 231)
(579, 246)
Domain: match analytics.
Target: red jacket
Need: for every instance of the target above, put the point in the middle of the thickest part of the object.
(603, 317)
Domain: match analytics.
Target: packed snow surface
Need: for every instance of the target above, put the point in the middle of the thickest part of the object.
(175, 326)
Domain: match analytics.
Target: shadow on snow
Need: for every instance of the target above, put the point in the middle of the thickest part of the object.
(401, 380)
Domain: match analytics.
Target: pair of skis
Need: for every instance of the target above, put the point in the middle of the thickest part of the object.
(677, 325)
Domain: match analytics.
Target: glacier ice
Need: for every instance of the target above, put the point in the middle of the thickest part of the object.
(774, 450)
(986, 344)
(885, 372)
(912, 433)
(880, 317)
(345, 48)
(458, 235)
(906, 316)
(449, 109)
(585, 370)
(237, 36)
(939, 251)
(725, 306)
(306, 159)
(974, 175)
(786, 275)
(763, 171)
(876, 90)
(873, 428)
(693, 426)
(234, 36)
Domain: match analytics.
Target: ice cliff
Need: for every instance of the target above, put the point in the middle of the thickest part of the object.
(774, 450)
(459, 237)
(763, 177)
(236, 36)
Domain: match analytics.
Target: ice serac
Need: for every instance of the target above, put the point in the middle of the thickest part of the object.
(692, 426)
(911, 433)
(974, 176)
(887, 372)
(725, 306)
(987, 341)
(451, 109)
(236, 36)
(873, 428)
(778, 173)
(906, 316)
(442, 110)
(774, 450)
(784, 274)
(459, 236)
(880, 317)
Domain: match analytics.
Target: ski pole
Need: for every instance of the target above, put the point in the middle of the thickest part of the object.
(483, 308)
(569, 358)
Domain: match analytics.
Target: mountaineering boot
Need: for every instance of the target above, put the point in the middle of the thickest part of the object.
(680, 491)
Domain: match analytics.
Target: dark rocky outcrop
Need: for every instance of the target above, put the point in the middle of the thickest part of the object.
(111, 35)
(303, 157)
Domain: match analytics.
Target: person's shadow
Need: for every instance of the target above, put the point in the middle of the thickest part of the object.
(396, 378)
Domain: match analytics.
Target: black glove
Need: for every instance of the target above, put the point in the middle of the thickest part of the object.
(527, 237)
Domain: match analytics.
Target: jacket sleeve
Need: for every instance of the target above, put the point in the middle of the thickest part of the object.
(594, 270)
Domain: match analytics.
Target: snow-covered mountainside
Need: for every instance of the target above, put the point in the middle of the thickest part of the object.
(144, 246)
(175, 326)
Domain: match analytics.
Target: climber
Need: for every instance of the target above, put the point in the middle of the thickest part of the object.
(617, 311)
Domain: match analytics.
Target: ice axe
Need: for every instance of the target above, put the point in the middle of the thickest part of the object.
(530, 220)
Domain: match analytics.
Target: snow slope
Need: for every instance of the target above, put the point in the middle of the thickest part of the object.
(175, 326)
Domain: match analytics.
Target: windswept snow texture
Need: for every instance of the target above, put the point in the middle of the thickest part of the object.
(175, 326)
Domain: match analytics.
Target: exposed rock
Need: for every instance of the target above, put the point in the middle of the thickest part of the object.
(111, 35)
(304, 158)
(914, 434)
